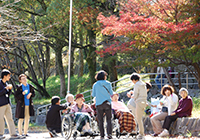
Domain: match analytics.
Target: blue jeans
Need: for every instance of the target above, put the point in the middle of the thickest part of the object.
(158, 80)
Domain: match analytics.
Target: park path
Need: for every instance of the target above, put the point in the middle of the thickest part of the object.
(46, 136)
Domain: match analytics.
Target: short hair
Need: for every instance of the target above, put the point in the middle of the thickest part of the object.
(21, 75)
(54, 100)
(183, 89)
(101, 75)
(135, 76)
(5, 72)
(68, 95)
(148, 85)
(167, 87)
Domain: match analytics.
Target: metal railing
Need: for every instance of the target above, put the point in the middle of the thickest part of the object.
(124, 84)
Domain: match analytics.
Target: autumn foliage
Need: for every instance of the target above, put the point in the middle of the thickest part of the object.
(168, 25)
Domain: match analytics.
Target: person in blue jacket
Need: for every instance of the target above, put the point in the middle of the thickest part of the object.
(102, 90)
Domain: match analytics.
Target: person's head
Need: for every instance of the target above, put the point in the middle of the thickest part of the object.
(79, 99)
(167, 90)
(135, 77)
(69, 98)
(5, 74)
(115, 97)
(101, 75)
(148, 86)
(183, 92)
(23, 78)
(55, 100)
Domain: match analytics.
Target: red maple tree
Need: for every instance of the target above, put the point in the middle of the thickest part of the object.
(168, 29)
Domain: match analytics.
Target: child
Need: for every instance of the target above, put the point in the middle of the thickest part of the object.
(53, 118)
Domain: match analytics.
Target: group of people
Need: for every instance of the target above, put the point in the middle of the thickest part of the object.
(24, 106)
(106, 103)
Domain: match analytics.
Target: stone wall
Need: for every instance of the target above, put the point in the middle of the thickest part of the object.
(185, 126)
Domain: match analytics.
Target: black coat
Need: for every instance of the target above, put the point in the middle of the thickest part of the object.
(4, 94)
(53, 118)
(20, 107)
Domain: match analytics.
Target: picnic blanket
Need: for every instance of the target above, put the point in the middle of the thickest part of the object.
(126, 121)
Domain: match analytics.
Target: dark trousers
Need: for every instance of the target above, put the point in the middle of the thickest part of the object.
(168, 121)
(101, 109)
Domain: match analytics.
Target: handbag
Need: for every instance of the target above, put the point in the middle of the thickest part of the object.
(164, 109)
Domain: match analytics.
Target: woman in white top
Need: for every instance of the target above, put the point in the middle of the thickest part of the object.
(169, 104)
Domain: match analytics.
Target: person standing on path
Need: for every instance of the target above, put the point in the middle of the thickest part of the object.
(139, 98)
(102, 90)
(24, 108)
(5, 108)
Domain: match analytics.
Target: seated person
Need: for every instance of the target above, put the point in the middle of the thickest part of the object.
(82, 118)
(126, 118)
(53, 118)
(69, 102)
(184, 109)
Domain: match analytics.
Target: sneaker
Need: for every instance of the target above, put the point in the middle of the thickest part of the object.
(53, 133)
(109, 137)
(140, 137)
(25, 135)
(154, 135)
(164, 133)
(101, 138)
(16, 136)
(2, 137)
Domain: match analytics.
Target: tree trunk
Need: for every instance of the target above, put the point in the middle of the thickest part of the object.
(112, 69)
(72, 62)
(91, 60)
(91, 56)
(61, 72)
(81, 64)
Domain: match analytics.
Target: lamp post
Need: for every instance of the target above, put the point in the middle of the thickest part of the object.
(70, 35)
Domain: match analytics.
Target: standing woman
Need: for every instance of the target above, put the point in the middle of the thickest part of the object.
(139, 98)
(102, 90)
(24, 107)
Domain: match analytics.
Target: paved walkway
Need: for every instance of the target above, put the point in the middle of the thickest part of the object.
(46, 136)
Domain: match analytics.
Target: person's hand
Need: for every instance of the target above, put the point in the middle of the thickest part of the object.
(132, 96)
(154, 105)
(9, 87)
(23, 92)
(173, 114)
(86, 106)
(161, 103)
(129, 95)
(29, 96)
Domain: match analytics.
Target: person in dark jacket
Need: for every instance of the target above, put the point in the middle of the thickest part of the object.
(24, 108)
(184, 109)
(53, 118)
(5, 108)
